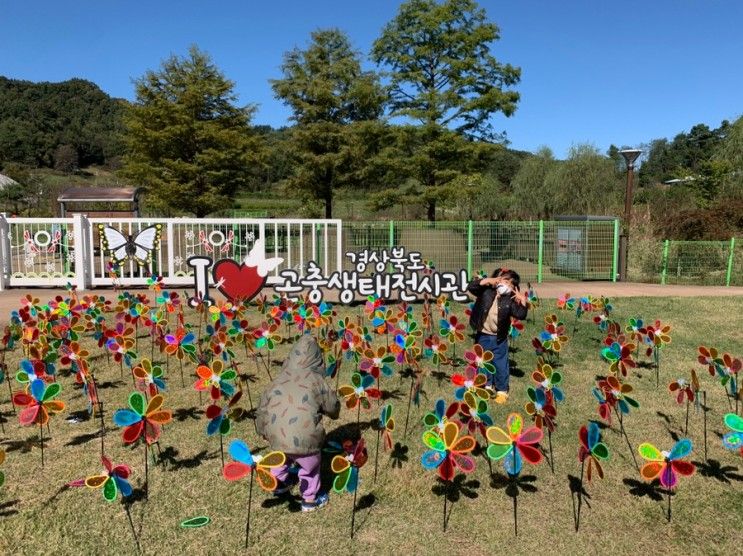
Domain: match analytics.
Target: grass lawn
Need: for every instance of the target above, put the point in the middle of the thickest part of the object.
(400, 513)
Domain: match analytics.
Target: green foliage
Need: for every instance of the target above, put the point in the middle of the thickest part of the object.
(186, 139)
(442, 75)
(331, 98)
(36, 119)
(729, 155)
(530, 197)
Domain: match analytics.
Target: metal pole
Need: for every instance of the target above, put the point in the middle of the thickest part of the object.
(730, 262)
(540, 253)
(630, 155)
(615, 252)
(469, 249)
(664, 272)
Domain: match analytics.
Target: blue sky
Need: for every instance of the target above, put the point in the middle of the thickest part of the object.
(593, 71)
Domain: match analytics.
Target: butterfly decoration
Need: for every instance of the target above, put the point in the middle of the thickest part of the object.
(39, 404)
(359, 391)
(246, 462)
(619, 357)
(540, 408)
(514, 444)
(441, 414)
(549, 380)
(682, 388)
(346, 466)
(150, 377)
(617, 392)
(114, 480)
(216, 379)
(733, 440)
(142, 418)
(480, 359)
(447, 451)
(138, 247)
(470, 385)
(666, 466)
(592, 450)
(386, 425)
(220, 418)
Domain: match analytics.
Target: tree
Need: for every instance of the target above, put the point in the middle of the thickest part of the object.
(443, 76)
(187, 141)
(729, 154)
(330, 97)
(66, 159)
(531, 198)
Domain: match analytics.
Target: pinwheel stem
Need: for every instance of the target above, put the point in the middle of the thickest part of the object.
(221, 451)
(103, 426)
(407, 413)
(376, 455)
(629, 444)
(704, 417)
(183, 382)
(686, 426)
(656, 356)
(250, 503)
(727, 397)
(41, 441)
(353, 510)
(446, 496)
(358, 418)
(131, 525)
(580, 495)
(10, 391)
(668, 516)
(146, 474)
(121, 368)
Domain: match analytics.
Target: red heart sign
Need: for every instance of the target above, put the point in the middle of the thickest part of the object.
(237, 282)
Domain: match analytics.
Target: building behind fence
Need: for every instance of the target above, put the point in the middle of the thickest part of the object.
(53, 252)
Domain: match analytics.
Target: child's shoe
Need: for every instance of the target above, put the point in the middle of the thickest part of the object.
(501, 397)
(321, 500)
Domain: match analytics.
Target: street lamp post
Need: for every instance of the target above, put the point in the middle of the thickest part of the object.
(630, 156)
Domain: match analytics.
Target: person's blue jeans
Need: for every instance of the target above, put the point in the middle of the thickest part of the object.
(500, 360)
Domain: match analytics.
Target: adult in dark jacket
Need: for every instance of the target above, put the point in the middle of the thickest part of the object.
(498, 298)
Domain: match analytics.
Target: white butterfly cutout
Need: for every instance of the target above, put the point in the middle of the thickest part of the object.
(257, 258)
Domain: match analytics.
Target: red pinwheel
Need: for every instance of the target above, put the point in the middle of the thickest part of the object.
(377, 363)
(709, 358)
(682, 388)
(39, 404)
(215, 379)
(359, 391)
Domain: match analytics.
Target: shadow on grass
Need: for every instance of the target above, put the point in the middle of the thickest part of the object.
(513, 486)
(715, 470)
(395, 394)
(170, 456)
(365, 502)
(24, 446)
(8, 508)
(110, 384)
(578, 490)
(514, 369)
(183, 413)
(399, 455)
(452, 491)
(293, 502)
(643, 489)
(81, 439)
(441, 377)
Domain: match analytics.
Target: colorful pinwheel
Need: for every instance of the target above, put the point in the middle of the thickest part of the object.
(733, 440)
(216, 379)
(452, 329)
(618, 391)
(142, 419)
(475, 419)
(565, 302)
(180, 344)
(435, 350)
(247, 462)
(220, 418)
(549, 380)
(682, 388)
(666, 466)
(515, 445)
(448, 452)
(441, 414)
(266, 336)
(346, 466)
(39, 404)
(517, 327)
(636, 330)
(480, 359)
(471, 385)
(359, 391)
(113, 481)
(592, 449)
(377, 363)
(709, 358)
(606, 403)
(540, 408)
(149, 377)
(553, 337)
(386, 425)
(619, 357)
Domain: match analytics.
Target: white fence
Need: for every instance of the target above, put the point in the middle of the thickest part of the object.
(57, 251)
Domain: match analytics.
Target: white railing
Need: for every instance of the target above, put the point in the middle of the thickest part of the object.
(55, 251)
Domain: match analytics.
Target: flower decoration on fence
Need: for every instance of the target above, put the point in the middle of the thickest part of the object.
(514, 444)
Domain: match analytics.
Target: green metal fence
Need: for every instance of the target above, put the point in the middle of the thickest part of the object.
(707, 263)
(538, 250)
